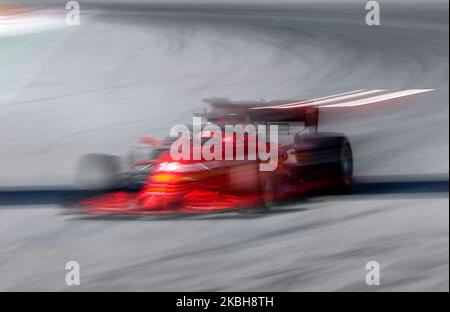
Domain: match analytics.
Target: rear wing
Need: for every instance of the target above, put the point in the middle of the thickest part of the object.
(307, 111)
(309, 115)
(261, 111)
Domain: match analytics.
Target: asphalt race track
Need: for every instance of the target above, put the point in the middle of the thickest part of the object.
(130, 70)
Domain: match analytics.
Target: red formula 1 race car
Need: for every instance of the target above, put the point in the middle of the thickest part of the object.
(278, 153)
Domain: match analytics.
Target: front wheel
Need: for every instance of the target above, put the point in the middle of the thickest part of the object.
(98, 172)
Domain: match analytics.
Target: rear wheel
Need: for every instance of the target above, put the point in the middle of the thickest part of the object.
(267, 189)
(325, 156)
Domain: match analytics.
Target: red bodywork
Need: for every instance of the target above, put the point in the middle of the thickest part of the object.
(201, 186)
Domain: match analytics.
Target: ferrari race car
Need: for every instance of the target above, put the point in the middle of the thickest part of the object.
(301, 159)
(236, 155)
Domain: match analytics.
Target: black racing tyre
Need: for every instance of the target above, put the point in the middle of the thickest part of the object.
(98, 172)
(267, 189)
(325, 156)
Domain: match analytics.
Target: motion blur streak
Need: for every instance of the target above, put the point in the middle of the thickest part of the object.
(132, 70)
(314, 100)
(335, 98)
(17, 21)
(380, 98)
